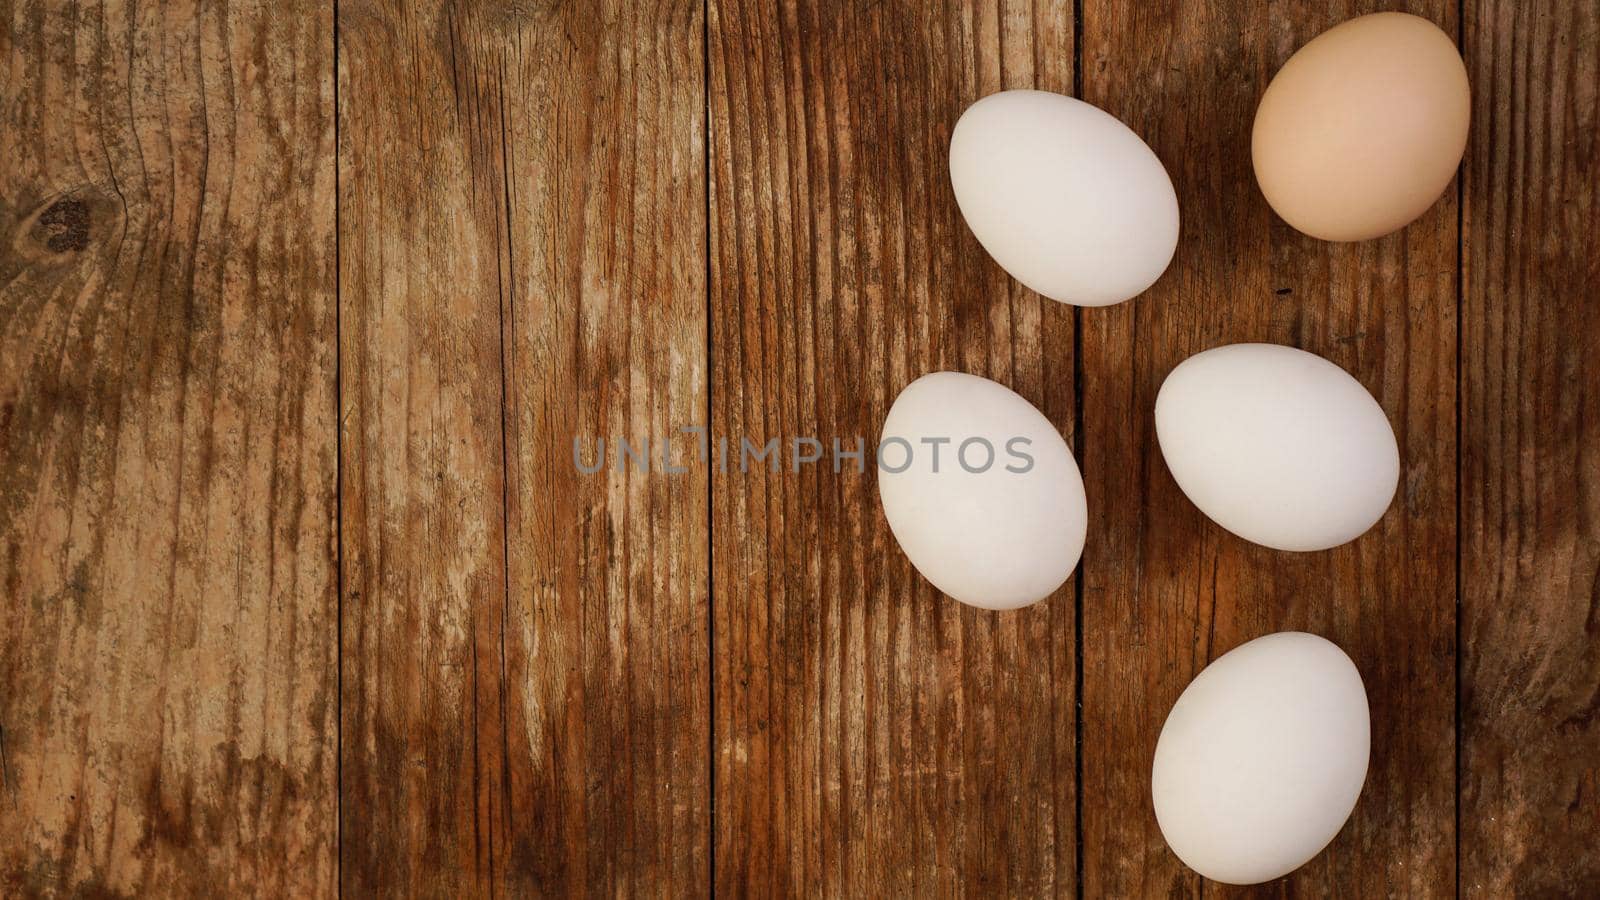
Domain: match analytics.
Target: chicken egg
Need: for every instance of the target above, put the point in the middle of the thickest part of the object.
(1363, 128)
(1262, 758)
(1277, 445)
(1064, 196)
(980, 491)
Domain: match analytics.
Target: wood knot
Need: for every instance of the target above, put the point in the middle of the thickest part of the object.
(66, 225)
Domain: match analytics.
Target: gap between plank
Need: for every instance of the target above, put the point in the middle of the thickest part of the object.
(508, 316)
(1077, 584)
(338, 480)
(1461, 276)
(711, 569)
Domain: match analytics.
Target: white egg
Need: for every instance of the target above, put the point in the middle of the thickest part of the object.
(981, 491)
(1262, 758)
(1064, 196)
(1277, 445)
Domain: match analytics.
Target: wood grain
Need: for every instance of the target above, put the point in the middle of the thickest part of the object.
(872, 738)
(1165, 590)
(168, 705)
(525, 687)
(1530, 454)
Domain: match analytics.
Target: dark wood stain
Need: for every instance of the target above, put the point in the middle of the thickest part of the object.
(256, 342)
(66, 225)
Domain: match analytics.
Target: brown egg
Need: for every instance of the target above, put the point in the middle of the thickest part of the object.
(1363, 128)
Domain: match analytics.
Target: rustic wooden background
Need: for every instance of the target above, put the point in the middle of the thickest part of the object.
(301, 305)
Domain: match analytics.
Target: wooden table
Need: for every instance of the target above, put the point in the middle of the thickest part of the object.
(301, 308)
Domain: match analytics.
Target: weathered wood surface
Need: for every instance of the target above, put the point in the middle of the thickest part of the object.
(228, 386)
(871, 738)
(522, 262)
(1530, 453)
(168, 684)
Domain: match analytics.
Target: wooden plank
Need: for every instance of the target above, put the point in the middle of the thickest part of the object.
(610, 614)
(872, 737)
(1530, 453)
(168, 690)
(1165, 590)
(525, 688)
(422, 268)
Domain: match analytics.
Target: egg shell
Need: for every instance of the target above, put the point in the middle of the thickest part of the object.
(996, 539)
(1277, 445)
(1362, 129)
(1065, 197)
(1262, 758)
